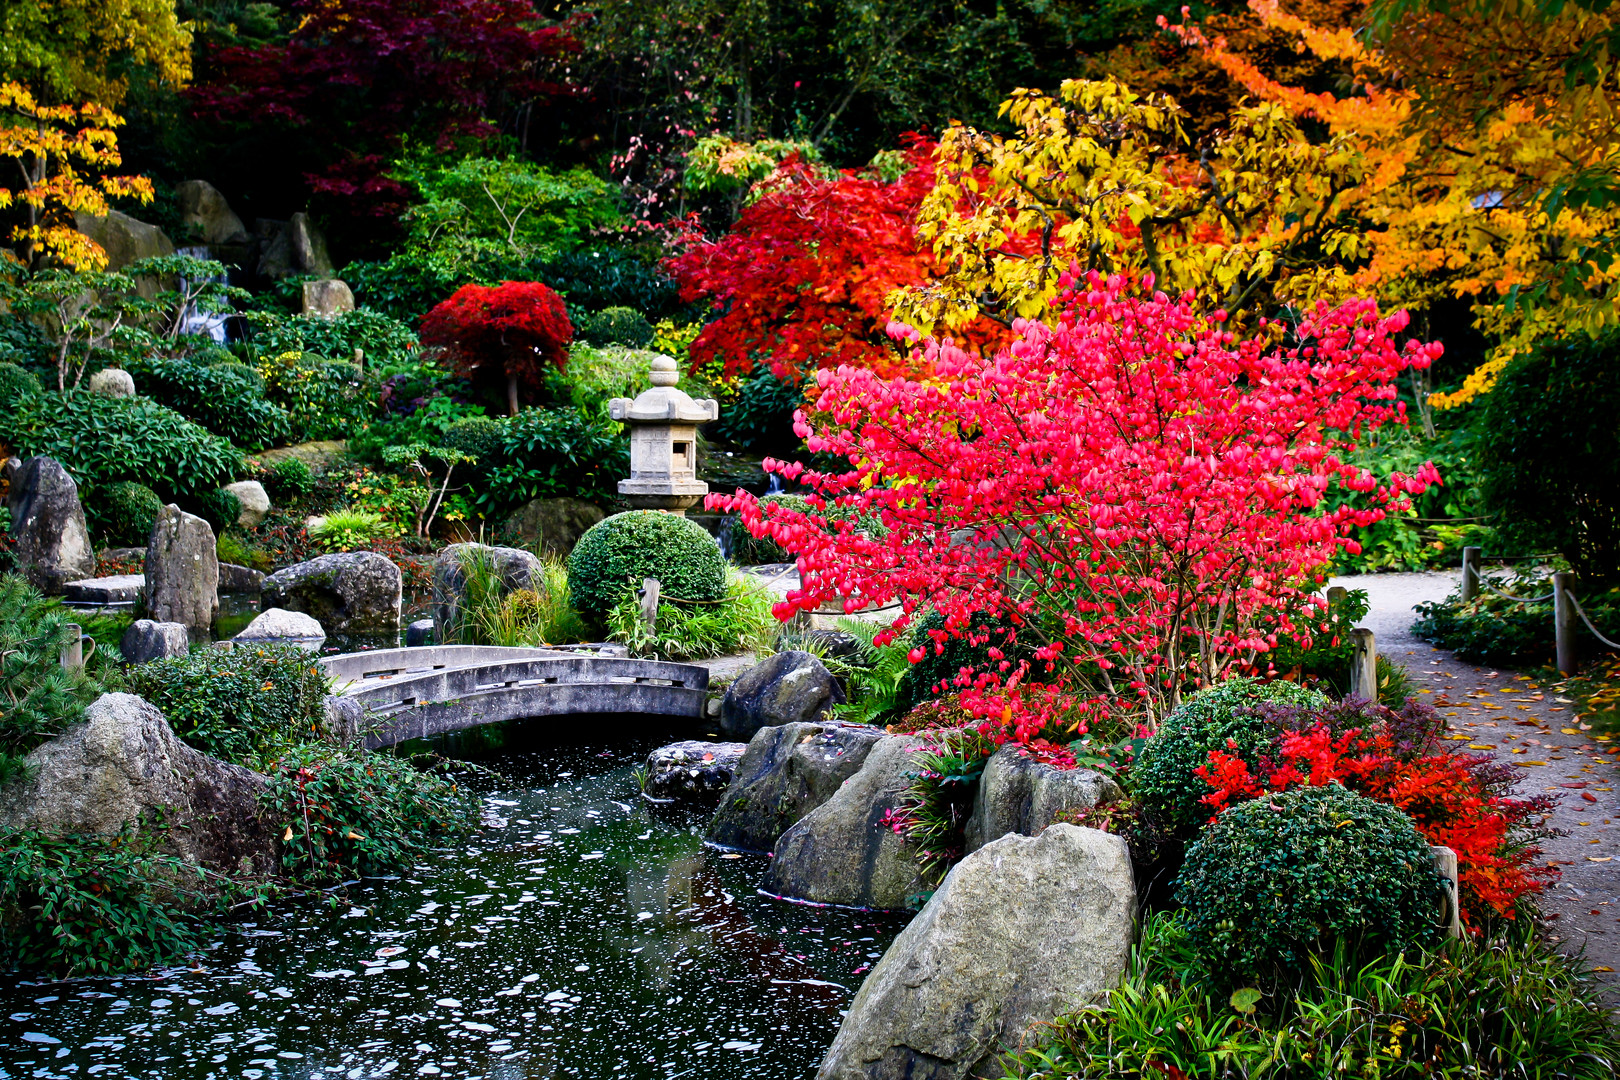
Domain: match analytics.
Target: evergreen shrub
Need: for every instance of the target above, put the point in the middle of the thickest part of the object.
(244, 705)
(227, 399)
(1223, 717)
(16, 383)
(615, 326)
(1276, 879)
(617, 552)
(127, 512)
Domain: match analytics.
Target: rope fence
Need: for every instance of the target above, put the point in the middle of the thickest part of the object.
(1568, 615)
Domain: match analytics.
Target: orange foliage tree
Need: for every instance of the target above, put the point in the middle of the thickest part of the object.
(1492, 163)
(58, 150)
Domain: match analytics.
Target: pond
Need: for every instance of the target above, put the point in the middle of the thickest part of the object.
(581, 933)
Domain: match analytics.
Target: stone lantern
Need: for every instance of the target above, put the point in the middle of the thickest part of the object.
(663, 442)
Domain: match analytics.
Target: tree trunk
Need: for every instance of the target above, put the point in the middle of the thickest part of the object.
(511, 395)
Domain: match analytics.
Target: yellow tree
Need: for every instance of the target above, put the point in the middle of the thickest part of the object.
(1252, 217)
(68, 51)
(58, 150)
(1493, 157)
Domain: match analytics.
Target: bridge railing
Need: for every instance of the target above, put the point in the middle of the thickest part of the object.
(386, 695)
(387, 663)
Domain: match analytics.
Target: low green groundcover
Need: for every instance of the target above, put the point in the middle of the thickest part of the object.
(1503, 1006)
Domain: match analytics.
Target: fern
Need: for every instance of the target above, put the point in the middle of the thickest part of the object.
(872, 680)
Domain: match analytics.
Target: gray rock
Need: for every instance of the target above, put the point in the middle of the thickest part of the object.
(1022, 930)
(125, 555)
(518, 569)
(123, 238)
(691, 771)
(419, 633)
(206, 216)
(1018, 794)
(352, 592)
(115, 589)
(280, 625)
(124, 761)
(253, 499)
(182, 571)
(146, 640)
(47, 525)
(789, 688)
(842, 852)
(787, 771)
(551, 525)
(292, 247)
(344, 720)
(326, 298)
(112, 382)
(233, 578)
(319, 455)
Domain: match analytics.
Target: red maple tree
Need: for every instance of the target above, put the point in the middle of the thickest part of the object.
(502, 336)
(802, 280)
(358, 77)
(1134, 489)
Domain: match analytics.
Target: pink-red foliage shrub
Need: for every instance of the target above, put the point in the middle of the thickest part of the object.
(1136, 487)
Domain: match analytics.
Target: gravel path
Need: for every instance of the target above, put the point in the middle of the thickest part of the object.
(1534, 728)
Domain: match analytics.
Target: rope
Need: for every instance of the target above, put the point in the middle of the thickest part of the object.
(1485, 584)
(1595, 631)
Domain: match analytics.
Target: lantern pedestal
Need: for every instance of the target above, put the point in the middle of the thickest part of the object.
(663, 443)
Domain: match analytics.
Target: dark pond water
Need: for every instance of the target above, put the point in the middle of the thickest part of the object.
(580, 934)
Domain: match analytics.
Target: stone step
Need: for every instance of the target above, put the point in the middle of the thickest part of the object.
(126, 588)
(119, 589)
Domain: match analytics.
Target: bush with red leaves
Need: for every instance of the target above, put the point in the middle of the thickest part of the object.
(502, 336)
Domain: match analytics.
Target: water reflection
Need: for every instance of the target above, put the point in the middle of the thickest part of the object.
(580, 935)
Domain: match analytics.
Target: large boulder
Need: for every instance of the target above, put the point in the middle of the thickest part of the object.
(791, 687)
(551, 525)
(279, 626)
(239, 579)
(1021, 931)
(124, 761)
(351, 592)
(146, 641)
(123, 238)
(292, 247)
(112, 382)
(206, 216)
(691, 771)
(845, 851)
(1018, 794)
(182, 571)
(47, 525)
(326, 298)
(787, 771)
(253, 500)
(516, 568)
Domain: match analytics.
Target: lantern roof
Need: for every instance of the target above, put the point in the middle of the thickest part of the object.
(662, 402)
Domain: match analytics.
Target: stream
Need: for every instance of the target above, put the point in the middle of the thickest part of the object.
(580, 933)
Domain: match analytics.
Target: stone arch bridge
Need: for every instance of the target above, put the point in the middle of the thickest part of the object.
(417, 693)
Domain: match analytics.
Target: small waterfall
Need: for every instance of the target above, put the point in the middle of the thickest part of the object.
(773, 484)
(193, 321)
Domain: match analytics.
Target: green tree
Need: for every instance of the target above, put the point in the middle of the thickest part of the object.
(74, 51)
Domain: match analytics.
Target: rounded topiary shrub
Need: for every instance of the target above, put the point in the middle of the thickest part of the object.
(616, 553)
(128, 511)
(1272, 879)
(1222, 717)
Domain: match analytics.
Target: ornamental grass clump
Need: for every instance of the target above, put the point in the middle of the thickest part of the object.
(1275, 880)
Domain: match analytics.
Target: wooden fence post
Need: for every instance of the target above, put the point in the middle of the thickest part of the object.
(1470, 573)
(1565, 626)
(1364, 664)
(73, 652)
(1336, 595)
(1445, 861)
(649, 602)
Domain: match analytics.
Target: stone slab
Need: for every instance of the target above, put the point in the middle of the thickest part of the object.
(118, 589)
